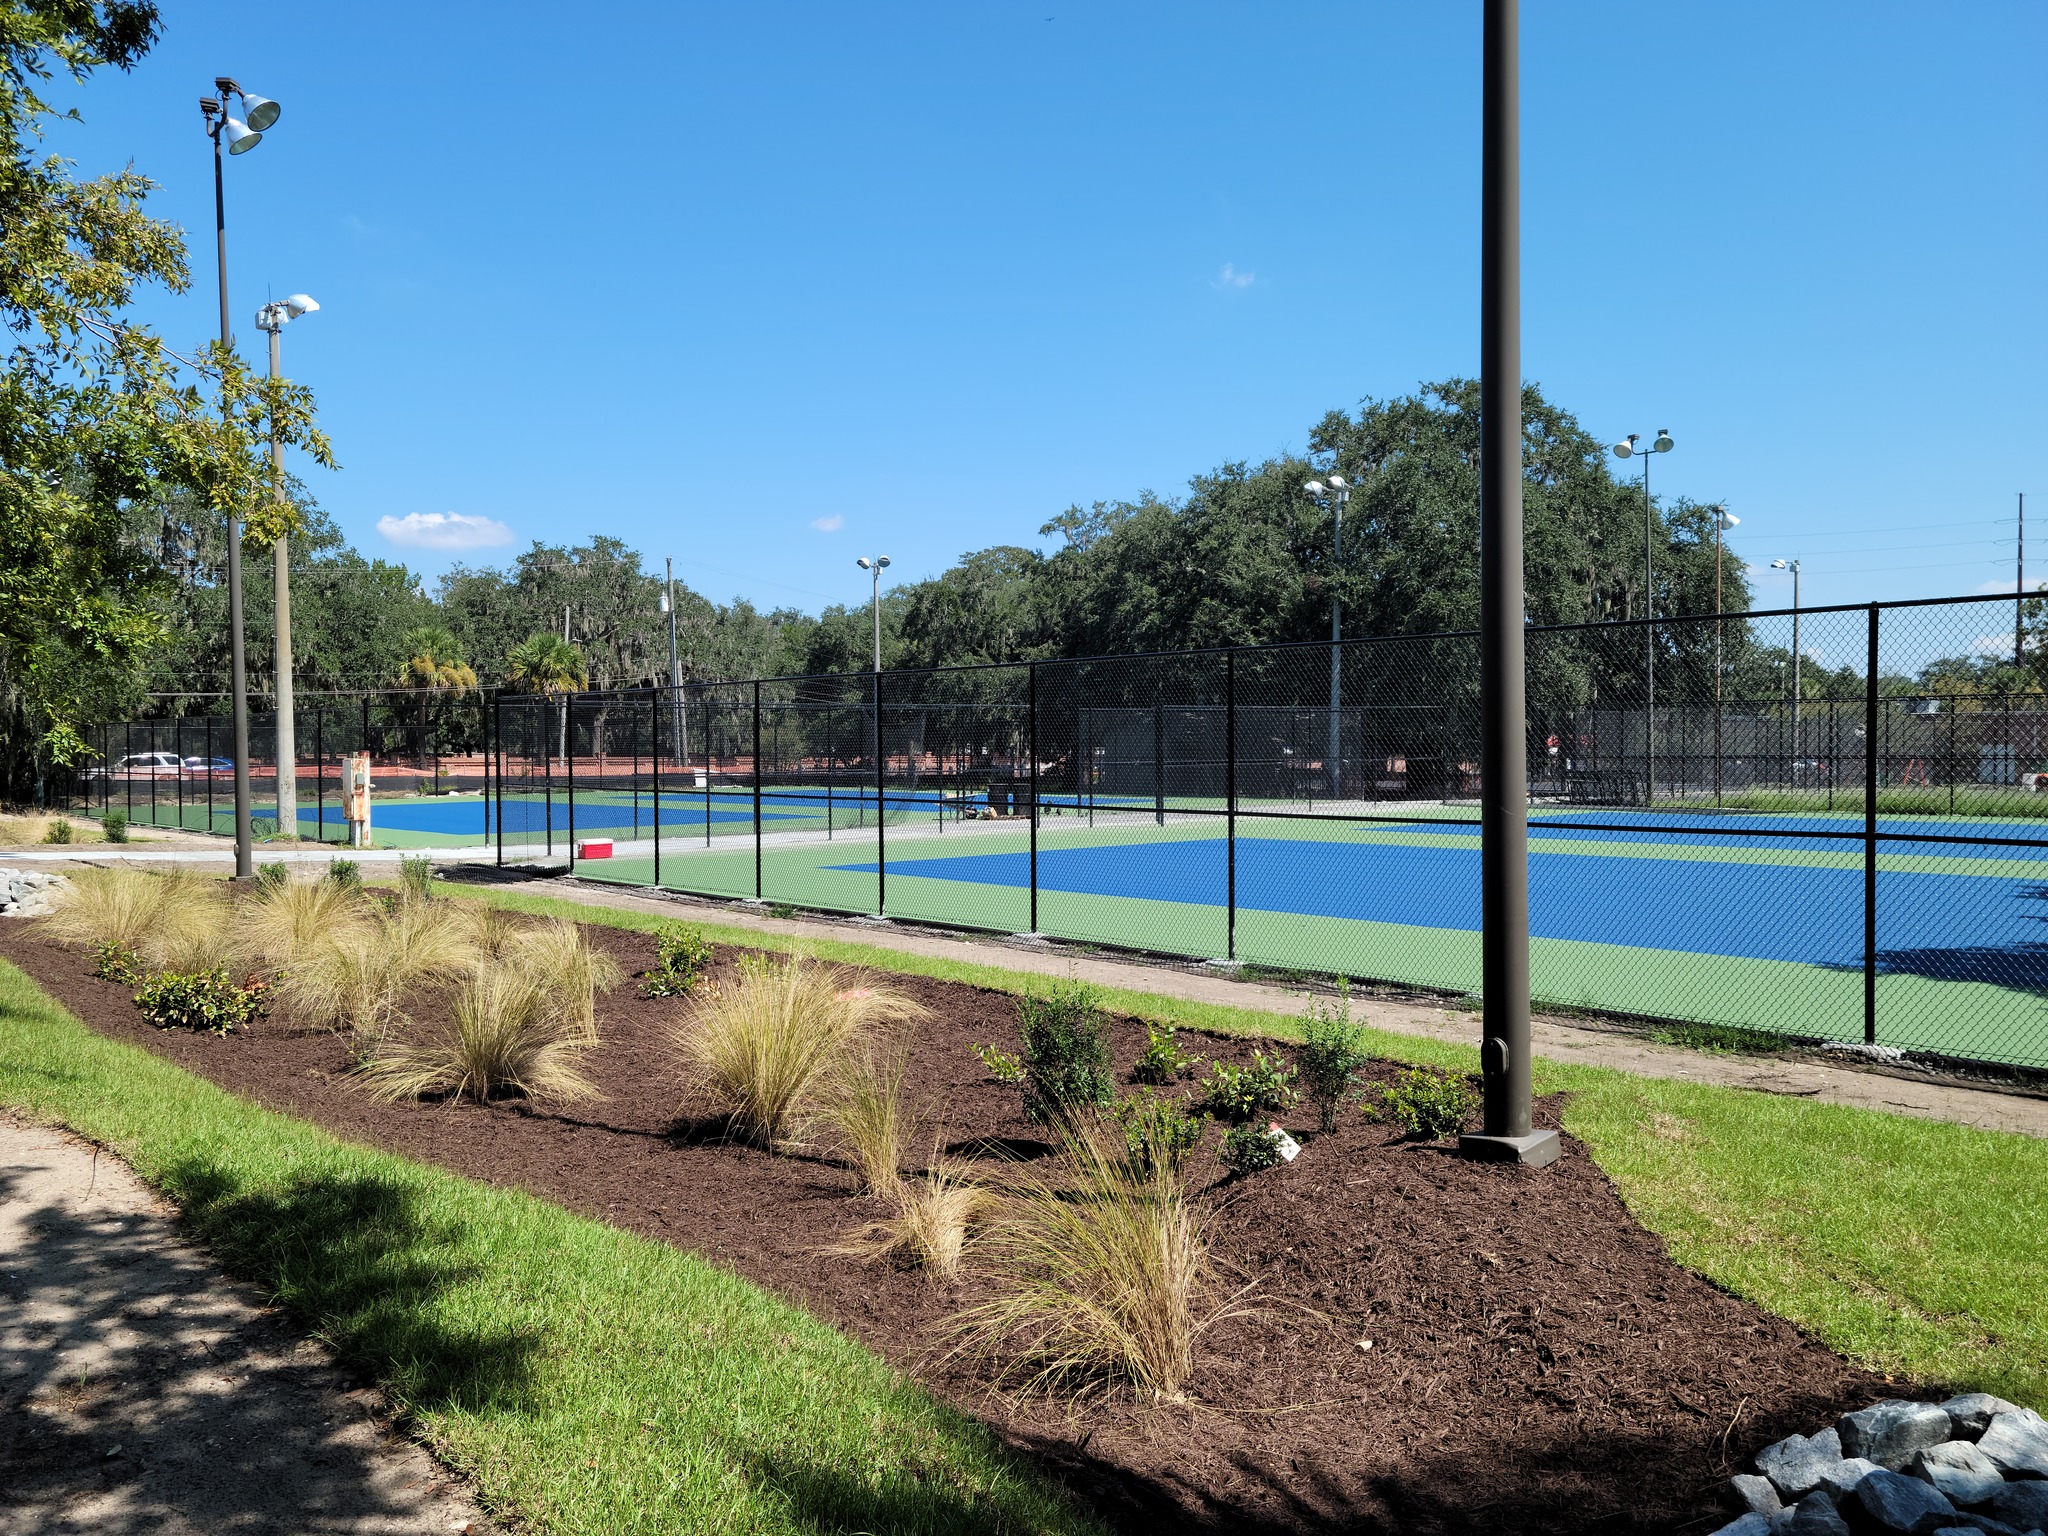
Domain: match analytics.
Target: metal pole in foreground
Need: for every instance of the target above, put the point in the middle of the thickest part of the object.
(1504, 811)
(238, 672)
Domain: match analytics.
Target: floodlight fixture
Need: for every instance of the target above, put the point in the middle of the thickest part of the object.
(259, 111)
(240, 136)
(1626, 447)
(1313, 487)
(297, 304)
(1339, 481)
(1663, 443)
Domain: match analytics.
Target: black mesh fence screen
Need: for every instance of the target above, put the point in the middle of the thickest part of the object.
(1827, 825)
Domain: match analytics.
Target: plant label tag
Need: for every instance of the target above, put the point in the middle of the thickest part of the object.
(1287, 1146)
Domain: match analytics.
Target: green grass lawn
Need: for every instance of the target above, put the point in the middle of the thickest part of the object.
(596, 1381)
(591, 1381)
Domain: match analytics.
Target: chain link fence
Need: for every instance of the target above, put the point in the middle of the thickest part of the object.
(1826, 825)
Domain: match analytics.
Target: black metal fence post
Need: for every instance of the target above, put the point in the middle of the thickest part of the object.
(1230, 799)
(757, 789)
(1870, 725)
(569, 770)
(1031, 733)
(654, 748)
(881, 796)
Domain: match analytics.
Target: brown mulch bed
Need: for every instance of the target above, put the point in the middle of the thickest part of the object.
(1536, 1360)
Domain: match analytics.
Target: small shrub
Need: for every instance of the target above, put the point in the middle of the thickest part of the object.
(116, 962)
(781, 909)
(1162, 1061)
(347, 874)
(263, 826)
(1066, 1052)
(684, 954)
(1249, 1149)
(416, 879)
(114, 826)
(1158, 1133)
(759, 1049)
(510, 1030)
(1332, 1051)
(1239, 1094)
(272, 876)
(1004, 1069)
(929, 1229)
(199, 1000)
(59, 831)
(1426, 1102)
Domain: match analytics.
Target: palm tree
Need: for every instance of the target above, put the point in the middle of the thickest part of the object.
(433, 665)
(550, 666)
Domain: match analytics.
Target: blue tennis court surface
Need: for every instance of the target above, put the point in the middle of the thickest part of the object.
(1760, 911)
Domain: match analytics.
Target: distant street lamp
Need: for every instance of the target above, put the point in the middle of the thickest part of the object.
(878, 564)
(271, 319)
(1332, 492)
(241, 136)
(1793, 567)
(1723, 521)
(1627, 449)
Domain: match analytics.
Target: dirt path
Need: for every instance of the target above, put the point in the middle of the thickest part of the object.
(1925, 1097)
(140, 1391)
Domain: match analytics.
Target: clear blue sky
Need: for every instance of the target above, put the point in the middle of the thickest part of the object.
(766, 287)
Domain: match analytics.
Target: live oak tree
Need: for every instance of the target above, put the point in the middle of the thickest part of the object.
(96, 412)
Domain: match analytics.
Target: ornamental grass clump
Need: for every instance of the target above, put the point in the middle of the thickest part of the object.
(197, 929)
(929, 1229)
(360, 977)
(109, 908)
(1101, 1273)
(287, 918)
(760, 1048)
(512, 1030)
(557, 949)
(862, 1105)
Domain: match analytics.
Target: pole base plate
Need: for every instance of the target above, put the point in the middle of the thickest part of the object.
(1538, 1149)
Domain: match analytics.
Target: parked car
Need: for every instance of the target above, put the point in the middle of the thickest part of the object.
(209, 765)
(138, 765)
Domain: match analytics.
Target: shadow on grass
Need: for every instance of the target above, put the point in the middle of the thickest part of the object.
(356, 1255)
(826, 1500)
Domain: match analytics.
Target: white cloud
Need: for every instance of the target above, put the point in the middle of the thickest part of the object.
(444, 531)
(1229, 277)
(828, 524)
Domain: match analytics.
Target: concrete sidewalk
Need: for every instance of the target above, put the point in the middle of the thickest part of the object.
(142, 1392)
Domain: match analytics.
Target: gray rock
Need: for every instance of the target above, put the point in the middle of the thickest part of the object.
(1796, 1462)
(1964, 1474)
(1751, 1524)
(1757, 1494)
(1970, 1520)
(1840, 1478)
(1898, 1503)
(2021, 1504)
(1889, 1432)
(1972, 1412)
(1815, 1515)
(2018, 1442)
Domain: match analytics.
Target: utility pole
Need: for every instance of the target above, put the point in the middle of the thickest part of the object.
(1504, 1053)
(675, 663)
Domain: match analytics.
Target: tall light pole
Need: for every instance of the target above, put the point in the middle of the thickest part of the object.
(271, 319)
(1793, 567)
(1723, 521)
(878, 564)
(1333, 491)
(1626, 449)
(675, 658)
(2019, 585)
(1504, 1053)
(241, 135)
